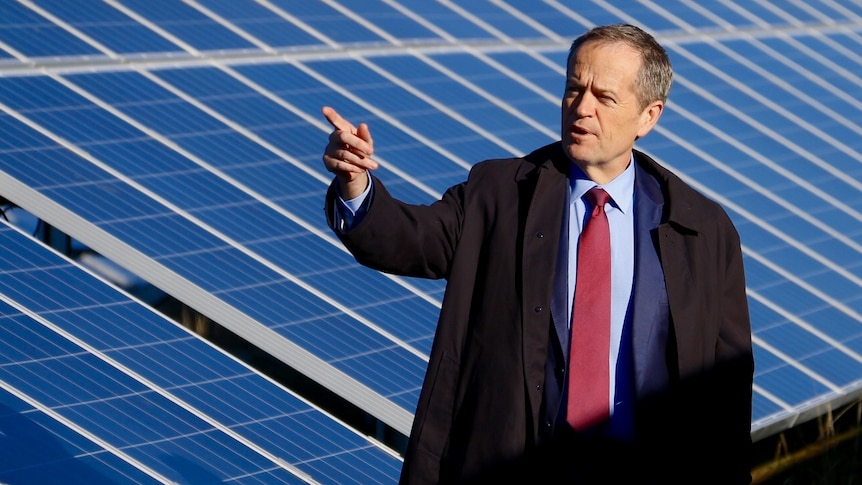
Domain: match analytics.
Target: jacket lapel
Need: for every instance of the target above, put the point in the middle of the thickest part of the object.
(649, 299)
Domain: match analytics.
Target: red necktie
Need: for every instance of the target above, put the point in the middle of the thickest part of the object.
(591, 320)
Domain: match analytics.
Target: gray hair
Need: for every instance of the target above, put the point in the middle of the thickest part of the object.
(655, 75)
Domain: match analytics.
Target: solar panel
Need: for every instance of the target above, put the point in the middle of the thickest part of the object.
(24, 32)
(200, 169)
(98, 21)
(93, 381)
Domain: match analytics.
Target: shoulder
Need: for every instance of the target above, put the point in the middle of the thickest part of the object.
(550, 156)
(686, 206)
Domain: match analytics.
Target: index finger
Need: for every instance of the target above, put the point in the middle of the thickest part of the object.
(336, 120)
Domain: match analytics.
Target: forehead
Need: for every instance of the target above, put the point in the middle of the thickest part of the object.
(607, 61)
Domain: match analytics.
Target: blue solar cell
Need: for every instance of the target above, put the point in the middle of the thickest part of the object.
(644, 15)
(478, 110)
(36, 93)
(811, 351)
(840, 11)
(828, 110)
(389, 19)
(190, 25)
(446, 19)
(763, 15)
(590, 14)
(266, 25)
(510, 24)
(328, 21)
(793, 14)
(240, 103)
(778, 377)
(549, 79)
(540, 105)
(557, 17)
(762, 408)
(109, 27)
(35, 36)
(404, 106)
(707, 16)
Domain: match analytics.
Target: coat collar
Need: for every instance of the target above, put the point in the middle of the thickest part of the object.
(682, 213)
(549, 157)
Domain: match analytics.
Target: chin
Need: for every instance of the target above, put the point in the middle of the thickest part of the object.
(575, 153)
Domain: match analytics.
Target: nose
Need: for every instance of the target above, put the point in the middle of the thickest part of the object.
(584, 104)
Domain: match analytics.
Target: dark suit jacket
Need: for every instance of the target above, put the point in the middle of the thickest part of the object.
(495, 238)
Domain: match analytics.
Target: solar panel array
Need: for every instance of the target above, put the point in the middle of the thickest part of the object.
(183, 140)
(99, 388)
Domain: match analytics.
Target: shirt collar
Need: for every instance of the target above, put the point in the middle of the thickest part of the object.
(621, 189)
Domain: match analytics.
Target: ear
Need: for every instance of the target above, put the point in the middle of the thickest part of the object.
(649, 117)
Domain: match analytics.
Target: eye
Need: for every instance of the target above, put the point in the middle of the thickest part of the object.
(573, 86)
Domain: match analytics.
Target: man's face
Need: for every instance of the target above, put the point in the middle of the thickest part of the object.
(601, 114)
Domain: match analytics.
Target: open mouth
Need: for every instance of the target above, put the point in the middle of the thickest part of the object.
(579, 132)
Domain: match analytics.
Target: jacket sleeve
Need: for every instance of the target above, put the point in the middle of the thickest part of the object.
(735, 360)
(404, 239)
(714, 405)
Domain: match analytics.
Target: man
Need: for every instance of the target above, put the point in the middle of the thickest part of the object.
(505, 395)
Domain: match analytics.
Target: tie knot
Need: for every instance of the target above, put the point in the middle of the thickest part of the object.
(597, 197)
